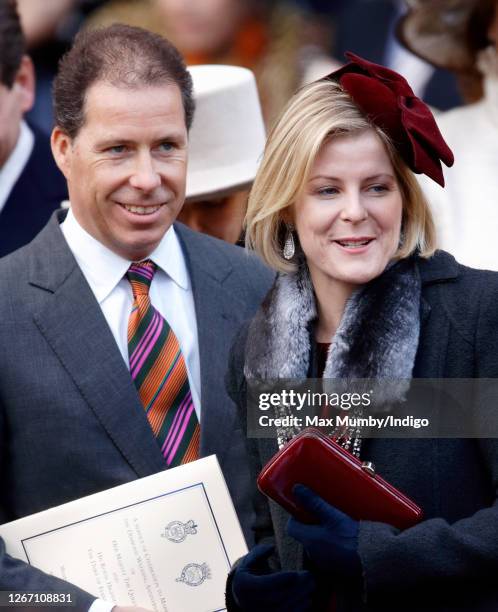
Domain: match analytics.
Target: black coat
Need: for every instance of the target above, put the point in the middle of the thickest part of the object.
(450, 560)
(38, 191)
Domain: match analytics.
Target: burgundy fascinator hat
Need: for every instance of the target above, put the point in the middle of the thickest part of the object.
(389, 102)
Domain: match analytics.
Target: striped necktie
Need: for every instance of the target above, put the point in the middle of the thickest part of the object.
(158, 370)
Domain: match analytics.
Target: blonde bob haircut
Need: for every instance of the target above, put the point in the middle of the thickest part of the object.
(314, 114)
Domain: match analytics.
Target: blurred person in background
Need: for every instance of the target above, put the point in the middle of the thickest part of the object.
(49, 27)
(270, 38)
(31, 185)
(226, 140)
(368, 28)
(462, 36)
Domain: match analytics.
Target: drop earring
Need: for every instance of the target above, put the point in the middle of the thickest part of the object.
(289, 244)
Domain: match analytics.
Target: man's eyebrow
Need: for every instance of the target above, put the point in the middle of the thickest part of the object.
(171, 137)
(110, 141)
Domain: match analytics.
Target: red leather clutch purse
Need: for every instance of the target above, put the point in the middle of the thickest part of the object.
(315, 460)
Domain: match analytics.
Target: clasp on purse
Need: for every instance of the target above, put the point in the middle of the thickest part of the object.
(368, 467)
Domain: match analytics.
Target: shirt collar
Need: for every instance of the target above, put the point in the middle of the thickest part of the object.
(168, 256)
(103, 269)
(16, 162)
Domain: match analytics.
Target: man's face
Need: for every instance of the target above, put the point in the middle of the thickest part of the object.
(10, 119)
(14, 102)
(203, 26)
(126, 167)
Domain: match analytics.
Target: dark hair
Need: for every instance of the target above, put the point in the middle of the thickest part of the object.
(475, 38)
(478, 24)
(12, 43)
(123, 56)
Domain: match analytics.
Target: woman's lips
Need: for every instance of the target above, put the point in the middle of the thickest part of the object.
(354, 245)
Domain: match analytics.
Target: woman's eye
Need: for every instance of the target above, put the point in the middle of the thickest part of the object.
(378, 188)
(327, 191)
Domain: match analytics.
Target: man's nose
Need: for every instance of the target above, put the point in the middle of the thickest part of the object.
(145, 176)
(353, 208)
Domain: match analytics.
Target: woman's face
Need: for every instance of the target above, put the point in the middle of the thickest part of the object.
(348, 217)
(203, 26)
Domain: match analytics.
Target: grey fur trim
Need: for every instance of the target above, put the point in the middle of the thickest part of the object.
(377, 338)
(279, 342)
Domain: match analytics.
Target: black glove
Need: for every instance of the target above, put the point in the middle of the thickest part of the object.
(255, 587)
(332, 544)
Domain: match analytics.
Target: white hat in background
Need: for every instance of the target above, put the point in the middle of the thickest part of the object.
(227, 137)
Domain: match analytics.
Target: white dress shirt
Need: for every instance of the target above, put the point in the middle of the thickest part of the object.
(16, 162)
(170, 293)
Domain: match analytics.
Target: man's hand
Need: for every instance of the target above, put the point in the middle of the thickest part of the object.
(332, 544)
(255, 587)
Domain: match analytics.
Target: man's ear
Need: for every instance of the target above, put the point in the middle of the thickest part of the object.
(25, 84)
(62, 150)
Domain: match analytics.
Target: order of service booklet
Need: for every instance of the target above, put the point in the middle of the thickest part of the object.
(164, 542)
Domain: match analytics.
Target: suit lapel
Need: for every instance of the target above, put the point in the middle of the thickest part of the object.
(219, 313)
(74, 326)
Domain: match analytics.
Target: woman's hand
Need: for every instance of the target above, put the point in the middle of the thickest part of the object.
(255, 587)
(332, 544)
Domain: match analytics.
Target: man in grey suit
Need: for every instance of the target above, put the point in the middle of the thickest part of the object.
(72, 419)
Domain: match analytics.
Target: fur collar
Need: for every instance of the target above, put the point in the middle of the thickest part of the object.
(377, 338)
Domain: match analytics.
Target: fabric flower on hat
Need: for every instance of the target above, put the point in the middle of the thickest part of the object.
(389, 102)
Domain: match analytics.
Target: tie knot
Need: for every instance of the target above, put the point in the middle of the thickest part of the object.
(140, 276)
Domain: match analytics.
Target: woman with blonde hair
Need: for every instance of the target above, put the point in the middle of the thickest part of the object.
(362, 293)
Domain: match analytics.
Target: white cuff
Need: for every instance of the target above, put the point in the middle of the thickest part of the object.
(99, 605)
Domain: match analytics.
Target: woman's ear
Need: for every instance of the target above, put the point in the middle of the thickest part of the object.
(287, 215)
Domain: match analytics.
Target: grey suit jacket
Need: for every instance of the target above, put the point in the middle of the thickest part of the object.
(71, 422)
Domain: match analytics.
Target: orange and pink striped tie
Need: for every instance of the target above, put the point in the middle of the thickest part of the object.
(158, 370)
